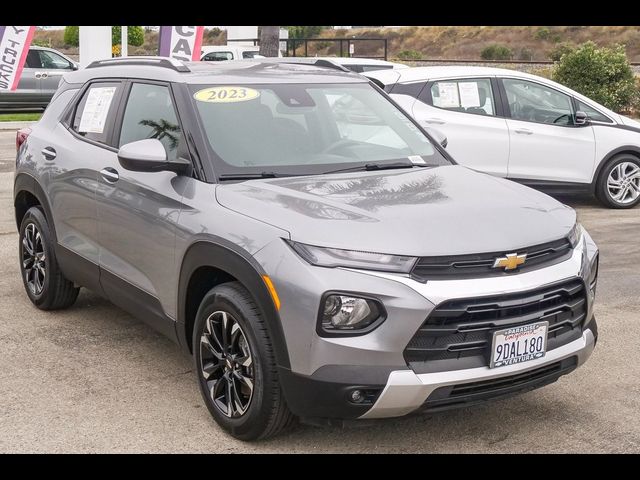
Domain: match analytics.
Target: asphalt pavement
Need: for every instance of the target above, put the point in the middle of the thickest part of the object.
(94, 379)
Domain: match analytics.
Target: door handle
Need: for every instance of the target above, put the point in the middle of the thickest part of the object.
(48, 153)
(109, 174)
(523, 131)
(436, 121)
(38, 75)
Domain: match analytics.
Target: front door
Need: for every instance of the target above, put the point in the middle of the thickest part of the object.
(138, 211)
(546, 144)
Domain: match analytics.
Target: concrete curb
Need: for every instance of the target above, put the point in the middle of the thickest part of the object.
(14, 125)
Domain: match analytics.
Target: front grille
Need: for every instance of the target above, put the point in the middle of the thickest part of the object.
(458, 333)
(481, 265)
(466, 394)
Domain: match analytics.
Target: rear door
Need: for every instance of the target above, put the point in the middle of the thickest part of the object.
(28, 94)
(546, 144)
(466, 110)
(72, 155)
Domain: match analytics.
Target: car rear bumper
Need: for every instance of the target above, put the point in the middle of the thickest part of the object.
(406, 391)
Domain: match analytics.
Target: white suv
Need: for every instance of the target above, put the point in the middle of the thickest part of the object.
(525, 128)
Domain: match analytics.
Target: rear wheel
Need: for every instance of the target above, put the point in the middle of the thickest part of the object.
(46, 286)
(235, 365)
(618, 185)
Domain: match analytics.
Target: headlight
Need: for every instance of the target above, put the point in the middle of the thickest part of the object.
(336, 257)
(343, 313)
(575, 235)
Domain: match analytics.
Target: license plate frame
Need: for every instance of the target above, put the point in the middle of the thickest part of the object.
(520, 338)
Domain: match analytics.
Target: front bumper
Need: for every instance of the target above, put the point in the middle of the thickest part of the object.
(406, 391)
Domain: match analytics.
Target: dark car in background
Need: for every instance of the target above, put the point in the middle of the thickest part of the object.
(40, 77)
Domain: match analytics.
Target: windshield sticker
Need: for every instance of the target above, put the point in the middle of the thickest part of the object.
(226, 94)
(417, 160)
(96, 109)
(469, 94)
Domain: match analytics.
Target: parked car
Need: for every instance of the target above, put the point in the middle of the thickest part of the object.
(525, 128)
(219, 53)
(40, 77)
(310, 272)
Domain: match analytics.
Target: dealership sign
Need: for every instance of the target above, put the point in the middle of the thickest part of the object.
(182, 43)
(14, 46)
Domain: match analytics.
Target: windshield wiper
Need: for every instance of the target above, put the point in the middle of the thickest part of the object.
(368, 167)
(248, 176)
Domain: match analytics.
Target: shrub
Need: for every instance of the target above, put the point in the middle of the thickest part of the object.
(525, 54)
(543, 33)
(135, 36)
(409, 55)
(559, 50)
(602, 74)
(496, 52)
(72, 36)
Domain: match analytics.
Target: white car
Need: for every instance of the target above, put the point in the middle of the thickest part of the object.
(525, 128)
(219, 53)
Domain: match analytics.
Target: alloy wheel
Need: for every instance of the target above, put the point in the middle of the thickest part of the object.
(623, 183)
(33, 259)
(226, 364)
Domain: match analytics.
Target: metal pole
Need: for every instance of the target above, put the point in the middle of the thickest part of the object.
(124, 41)
(341, 47)
(385, 49)
(306, 54)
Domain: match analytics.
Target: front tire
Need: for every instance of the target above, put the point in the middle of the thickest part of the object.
(46, 286)
(235, 365)
(618, 185)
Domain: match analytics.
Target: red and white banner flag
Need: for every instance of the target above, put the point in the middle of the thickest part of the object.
(14, 46)
(182, 43)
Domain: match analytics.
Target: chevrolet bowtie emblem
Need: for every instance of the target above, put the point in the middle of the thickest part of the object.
(510, 262)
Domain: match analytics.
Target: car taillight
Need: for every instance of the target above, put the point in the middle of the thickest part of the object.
(21, 136)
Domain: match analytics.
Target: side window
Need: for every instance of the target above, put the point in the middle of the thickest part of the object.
(217, 56)
(592, 113)
(53, 61)
(150, 114)
(468, 96)
(533, 102)
(249, 54)
(33, 59)
(95, 110)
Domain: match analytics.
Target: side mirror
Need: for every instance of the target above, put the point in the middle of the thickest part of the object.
(582, 118)
(150, 156)
(438, 136)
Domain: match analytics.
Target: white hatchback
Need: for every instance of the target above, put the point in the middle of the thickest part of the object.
(525, 128)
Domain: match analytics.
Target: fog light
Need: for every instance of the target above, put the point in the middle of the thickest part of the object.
(356, 396)
(344, 312)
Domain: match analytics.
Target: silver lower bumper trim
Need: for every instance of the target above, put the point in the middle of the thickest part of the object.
(406, 391)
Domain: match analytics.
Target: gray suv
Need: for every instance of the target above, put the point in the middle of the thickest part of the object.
(317, 261)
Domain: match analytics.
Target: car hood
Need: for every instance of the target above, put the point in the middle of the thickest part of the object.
(429, 211)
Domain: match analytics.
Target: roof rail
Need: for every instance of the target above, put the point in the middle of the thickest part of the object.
(317, 62)
(149, 61)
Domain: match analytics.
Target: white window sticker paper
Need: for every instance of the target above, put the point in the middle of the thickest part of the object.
(448, 95)
(469, 96)
(94, 115)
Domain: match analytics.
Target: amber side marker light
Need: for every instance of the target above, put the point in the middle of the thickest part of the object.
(272, 291)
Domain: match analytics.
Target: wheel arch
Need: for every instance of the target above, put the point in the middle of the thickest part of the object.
(25, 189)
(222, 261)
(628, 149)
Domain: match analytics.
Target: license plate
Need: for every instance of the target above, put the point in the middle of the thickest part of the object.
(519, 344)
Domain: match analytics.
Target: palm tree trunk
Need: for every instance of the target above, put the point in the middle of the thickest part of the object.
(269, 41)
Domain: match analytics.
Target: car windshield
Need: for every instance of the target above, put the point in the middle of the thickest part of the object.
(297, 129)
